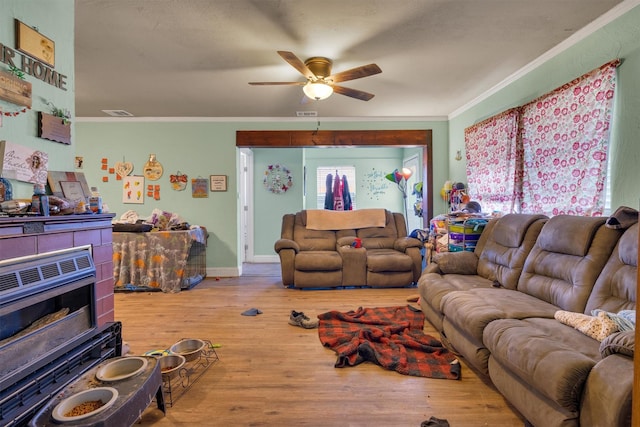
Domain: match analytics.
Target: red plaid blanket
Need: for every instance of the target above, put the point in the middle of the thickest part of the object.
(391, 337)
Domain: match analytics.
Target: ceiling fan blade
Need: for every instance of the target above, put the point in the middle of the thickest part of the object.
(278, 83)
(296, 63)
(353, 93)
(355, 73)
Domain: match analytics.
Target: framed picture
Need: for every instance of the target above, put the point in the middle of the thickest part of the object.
(218, 182)
(54, 178)
(34, 44)
(199, 188)
(133, 189)
(72, 190)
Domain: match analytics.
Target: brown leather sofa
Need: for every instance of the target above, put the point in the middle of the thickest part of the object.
(316, 257)
(497, 308)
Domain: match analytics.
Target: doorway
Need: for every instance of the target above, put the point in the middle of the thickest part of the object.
(246, 205)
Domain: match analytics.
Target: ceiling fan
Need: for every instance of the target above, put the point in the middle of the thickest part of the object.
(320, 83)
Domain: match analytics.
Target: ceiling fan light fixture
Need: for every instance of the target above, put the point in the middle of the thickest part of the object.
(317, 90)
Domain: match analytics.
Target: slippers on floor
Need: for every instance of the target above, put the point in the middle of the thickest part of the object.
(413, 298)
(252, 312)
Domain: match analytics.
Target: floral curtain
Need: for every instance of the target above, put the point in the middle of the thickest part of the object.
(565, 139)
(493, 159)
(548, 156)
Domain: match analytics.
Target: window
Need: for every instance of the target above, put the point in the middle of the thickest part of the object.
(322, 174)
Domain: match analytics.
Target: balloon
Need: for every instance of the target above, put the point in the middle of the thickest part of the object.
(390, 177)
(443, 194)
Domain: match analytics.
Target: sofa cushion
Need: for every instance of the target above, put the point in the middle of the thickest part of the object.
(512, 228)
(569, 234)
(433, 286)
(563, 275)
(380, 237)
(472, 310)
(380, 260)
(467, 314)
(314, 240)
(551, 358)
(615, 289)
(318, 261)
(506, 248)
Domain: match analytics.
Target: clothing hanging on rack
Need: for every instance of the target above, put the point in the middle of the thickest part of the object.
(328, 197)
(338, 202)
(346, 195)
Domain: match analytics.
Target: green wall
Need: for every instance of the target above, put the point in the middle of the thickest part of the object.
(54, 19)
(204, 147)
(618, 39)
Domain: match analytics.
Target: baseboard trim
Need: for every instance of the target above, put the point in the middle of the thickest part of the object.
(266, 259)
(223, 272)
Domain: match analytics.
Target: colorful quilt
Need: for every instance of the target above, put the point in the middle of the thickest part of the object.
(391, 337)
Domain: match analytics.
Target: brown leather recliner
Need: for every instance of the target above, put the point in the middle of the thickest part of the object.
(311, 258)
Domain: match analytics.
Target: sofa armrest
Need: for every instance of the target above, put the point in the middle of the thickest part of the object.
(402, 243)
(606, 399)
(463, 262)
(286, 244)
(619, 343)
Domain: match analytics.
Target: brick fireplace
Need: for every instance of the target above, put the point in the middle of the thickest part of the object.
(28, 236)
(56, 307)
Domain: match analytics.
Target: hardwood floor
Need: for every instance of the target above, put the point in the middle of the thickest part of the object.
(273, 374)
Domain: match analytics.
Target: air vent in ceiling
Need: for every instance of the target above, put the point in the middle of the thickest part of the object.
(118, 113)
(307, 113)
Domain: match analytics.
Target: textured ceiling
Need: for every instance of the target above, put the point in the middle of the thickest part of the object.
(194, 58)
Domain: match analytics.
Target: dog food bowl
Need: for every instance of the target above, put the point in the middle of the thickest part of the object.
(170, 365)
(189, 348)
(63, 412)
(121, 369)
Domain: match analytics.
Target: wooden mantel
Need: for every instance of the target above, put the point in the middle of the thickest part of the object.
(351, 138)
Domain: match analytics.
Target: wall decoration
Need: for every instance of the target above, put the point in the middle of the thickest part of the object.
(15, 90)
(277, 179)
(375, 184)
(123, 168)
(54, 128)
(79, 162)
(218, 182)
(153, 168)
(178, 181)
(34, 44)
(23, 163)
(133, 189)
(199, 187)
(55, 177)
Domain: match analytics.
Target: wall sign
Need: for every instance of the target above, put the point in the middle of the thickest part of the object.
(53, 128)
(15, 90)
(218, 182)
(35, 44)
(23, 163)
